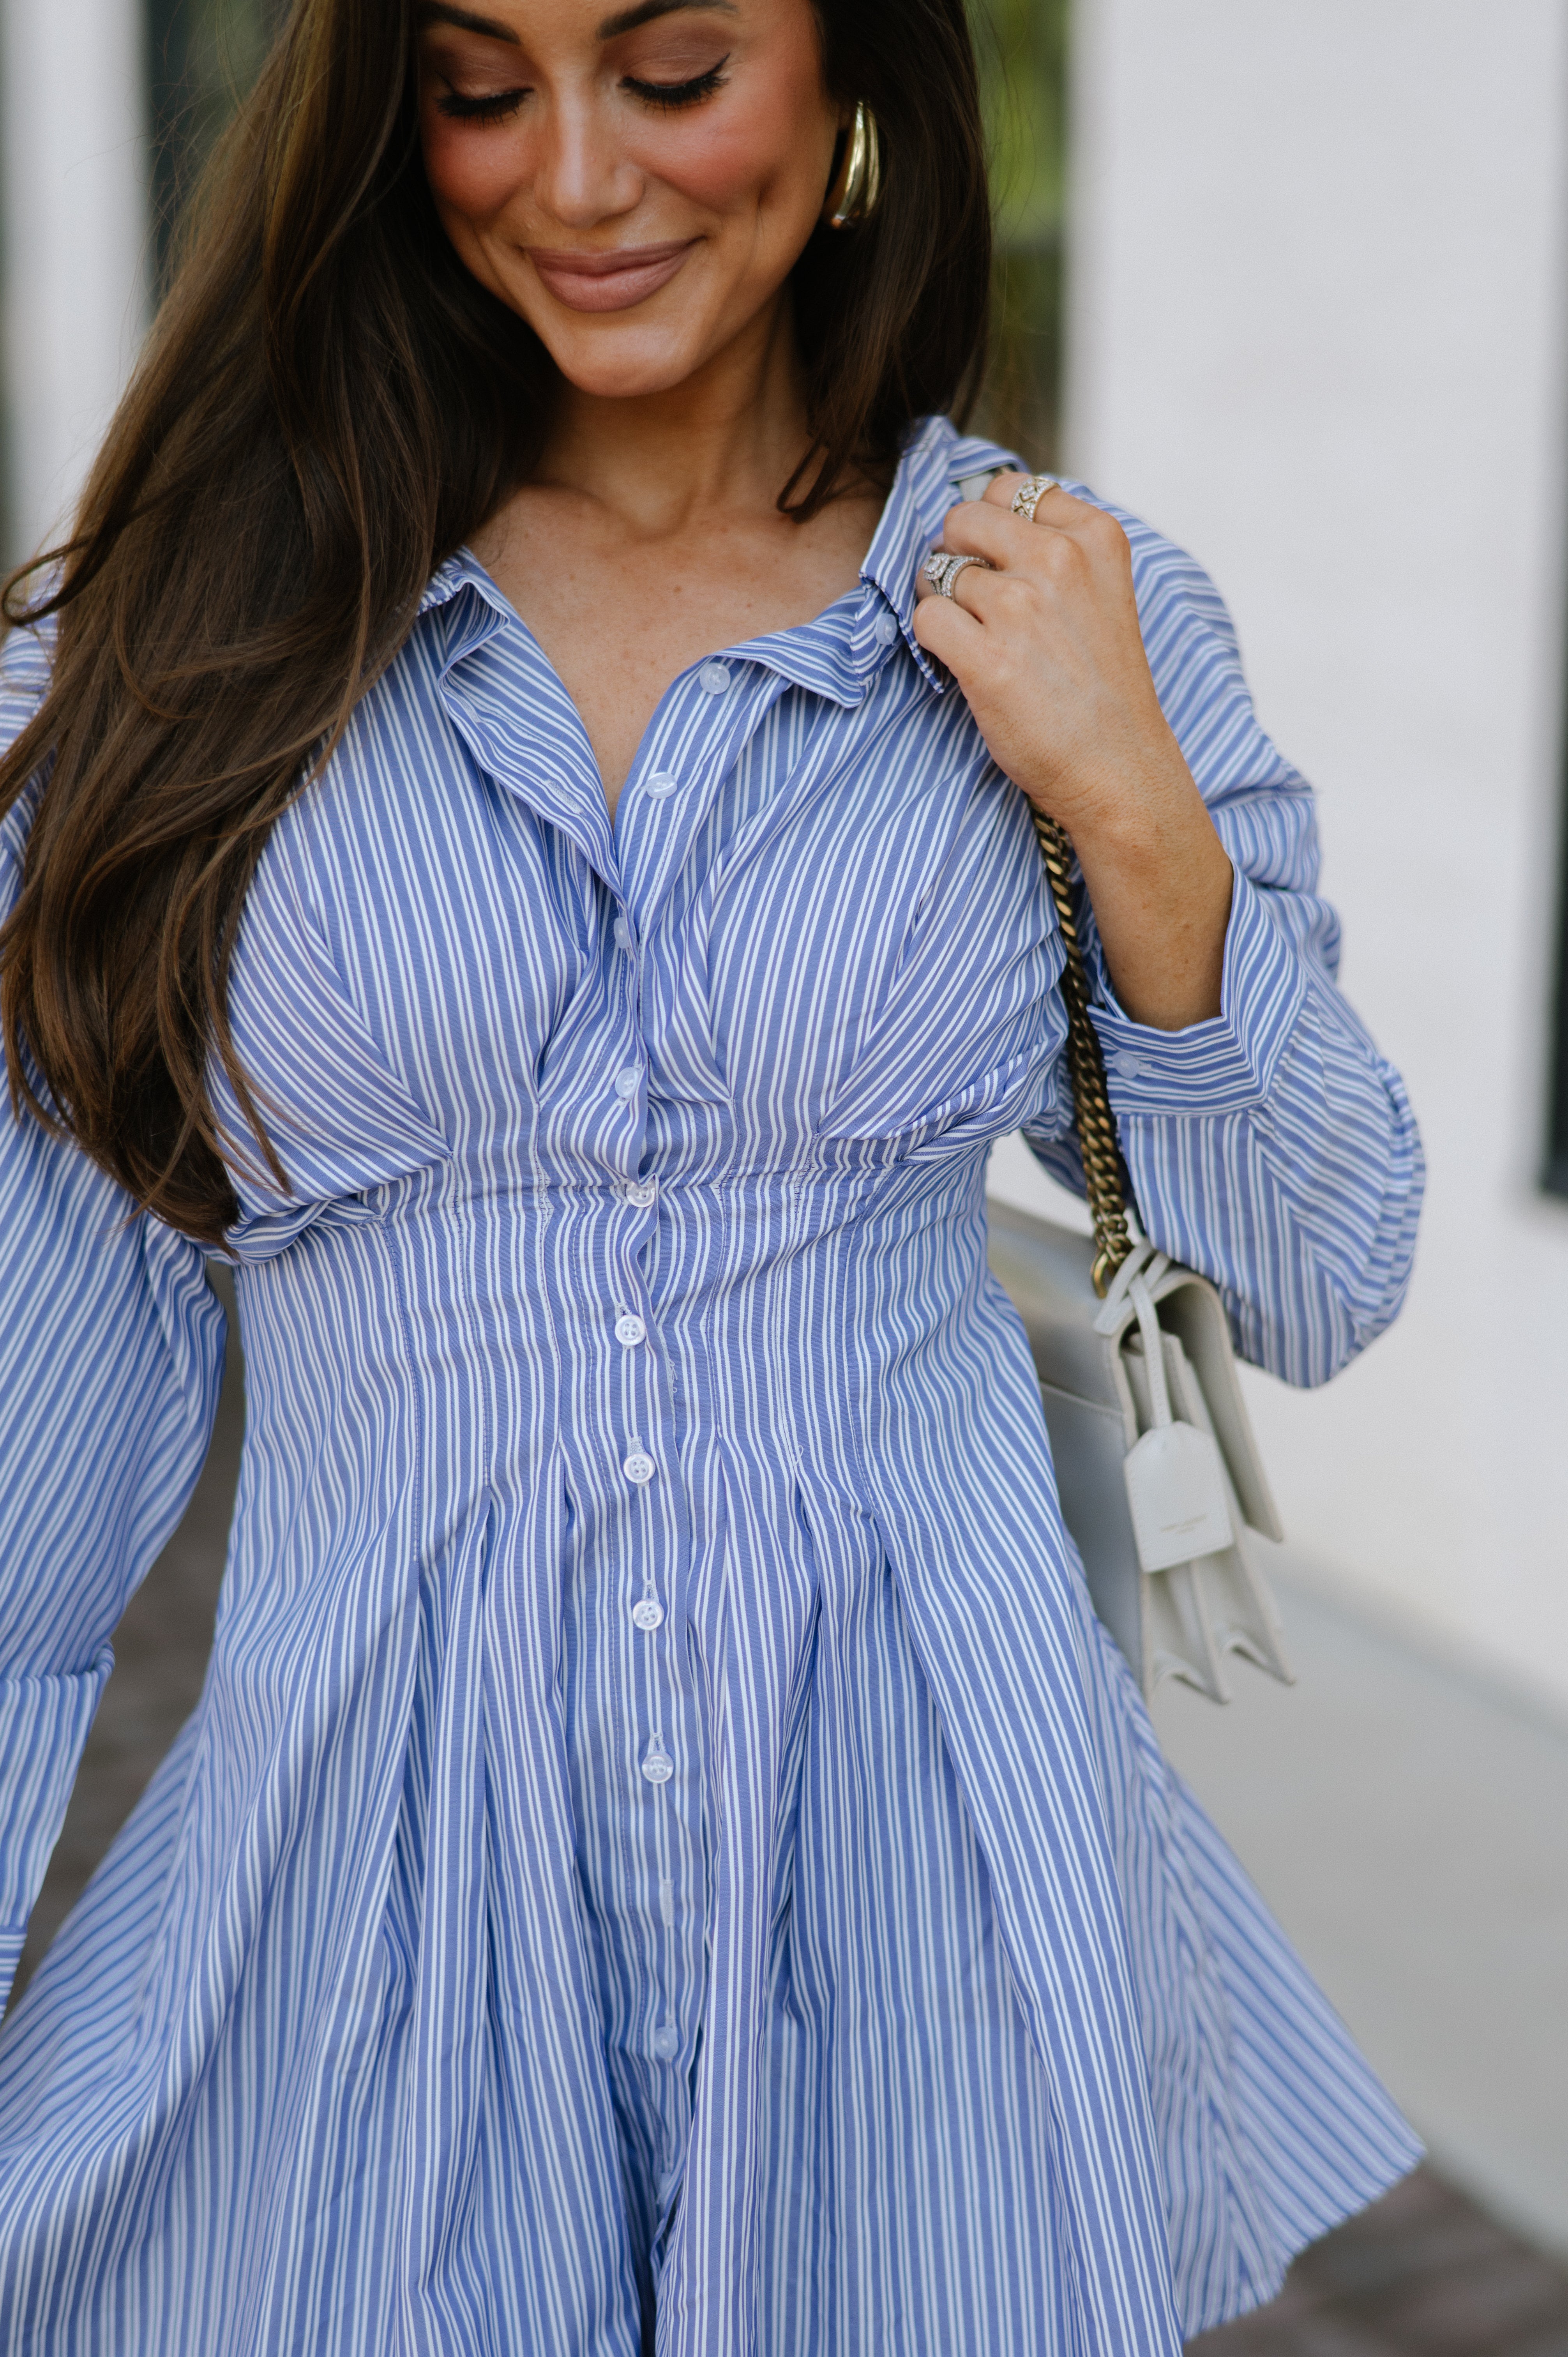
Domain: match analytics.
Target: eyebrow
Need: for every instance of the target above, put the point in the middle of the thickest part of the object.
(436, 12)
(625, 20)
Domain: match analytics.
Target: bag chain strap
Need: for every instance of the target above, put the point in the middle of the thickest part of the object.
(1097, 1137)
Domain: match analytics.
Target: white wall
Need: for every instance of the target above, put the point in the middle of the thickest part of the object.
(75, 225)
(1317, 337)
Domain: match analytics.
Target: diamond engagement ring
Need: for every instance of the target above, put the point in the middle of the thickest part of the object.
(942, 571)
(1029, 493)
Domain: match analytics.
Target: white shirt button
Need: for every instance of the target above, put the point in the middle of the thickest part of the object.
(625, 1084)
(715, 677)
(642, 1192)
(666, 2043)
(638, 1467)
(646, 1613)
(1128, 1066)
(631, 1330)
(622, 934)
(660, 784)
(657, 1765)
(887, 628)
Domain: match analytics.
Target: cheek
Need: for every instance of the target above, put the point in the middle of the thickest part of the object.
(472, 172)
(751, 152)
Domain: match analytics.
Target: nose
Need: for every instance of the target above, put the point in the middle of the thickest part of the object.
(582, 175)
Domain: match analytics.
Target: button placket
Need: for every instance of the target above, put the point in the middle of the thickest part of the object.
(699, 747)
(639, 1466)
(666, 1737)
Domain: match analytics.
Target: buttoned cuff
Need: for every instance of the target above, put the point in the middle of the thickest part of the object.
(1222, 1065)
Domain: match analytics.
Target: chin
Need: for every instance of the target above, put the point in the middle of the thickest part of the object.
(624, 366)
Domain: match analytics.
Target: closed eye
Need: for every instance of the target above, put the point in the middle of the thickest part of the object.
(494, 108)
(678, 93)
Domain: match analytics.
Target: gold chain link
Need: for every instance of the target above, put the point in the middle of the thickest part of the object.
(1092, 1099)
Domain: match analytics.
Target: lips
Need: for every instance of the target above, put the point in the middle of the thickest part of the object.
(608, 282)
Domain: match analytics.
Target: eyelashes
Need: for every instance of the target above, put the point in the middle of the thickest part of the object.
(668, 97)
(482, 109)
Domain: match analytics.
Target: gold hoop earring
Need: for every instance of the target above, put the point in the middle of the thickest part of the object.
(857, 183)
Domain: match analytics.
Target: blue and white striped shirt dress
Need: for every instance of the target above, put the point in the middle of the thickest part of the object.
(665, 1857)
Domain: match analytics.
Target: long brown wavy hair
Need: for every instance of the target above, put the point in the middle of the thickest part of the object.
(329, 405)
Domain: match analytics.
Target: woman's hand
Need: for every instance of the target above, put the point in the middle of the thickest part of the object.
(1047, 650)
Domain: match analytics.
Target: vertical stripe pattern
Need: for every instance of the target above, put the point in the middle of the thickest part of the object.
(665, 1857)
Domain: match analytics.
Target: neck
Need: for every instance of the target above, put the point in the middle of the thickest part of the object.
(727, 439)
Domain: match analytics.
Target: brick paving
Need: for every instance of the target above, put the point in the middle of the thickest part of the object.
(1423, 2274)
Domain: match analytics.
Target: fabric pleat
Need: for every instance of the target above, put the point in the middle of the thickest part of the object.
(665, 1857)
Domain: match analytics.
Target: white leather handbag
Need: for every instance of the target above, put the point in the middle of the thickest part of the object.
(1157, 1469)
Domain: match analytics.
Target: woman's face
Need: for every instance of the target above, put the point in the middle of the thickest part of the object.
(636, 184)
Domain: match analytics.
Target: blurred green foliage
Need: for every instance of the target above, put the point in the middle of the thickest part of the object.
(202, 56)
(1023, 51)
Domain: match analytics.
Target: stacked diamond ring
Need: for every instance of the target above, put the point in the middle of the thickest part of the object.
(944, 570)
(1029, 493)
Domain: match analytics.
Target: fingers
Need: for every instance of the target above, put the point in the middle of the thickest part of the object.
(1004, 489)
(946, 631)
(1053, 506)
(988, 528)
(1071, 550)
(926, 587)
(972, 586)
(959, 628)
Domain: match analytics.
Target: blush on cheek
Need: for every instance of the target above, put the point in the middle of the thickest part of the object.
(719, 162)
(470, 173)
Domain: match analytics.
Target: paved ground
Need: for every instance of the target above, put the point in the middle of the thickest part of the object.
(1425, 2274)
(1422, 2275)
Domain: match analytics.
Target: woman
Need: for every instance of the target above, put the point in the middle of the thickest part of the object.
(499, 848)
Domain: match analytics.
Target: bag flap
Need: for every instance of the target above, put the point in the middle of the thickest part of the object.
(1191, 1307)
(1044, 1270)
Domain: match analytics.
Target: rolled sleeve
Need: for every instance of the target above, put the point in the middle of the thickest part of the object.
(1228, 1064)
(1274, 1147)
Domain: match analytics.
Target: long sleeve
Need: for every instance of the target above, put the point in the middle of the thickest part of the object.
(111, 1357)
(1273, 1149)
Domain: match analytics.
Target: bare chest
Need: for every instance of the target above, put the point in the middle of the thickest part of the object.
(621, 621)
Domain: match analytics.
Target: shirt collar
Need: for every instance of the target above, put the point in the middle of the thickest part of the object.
(936, 459)
(460, 572)
(836, 653)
